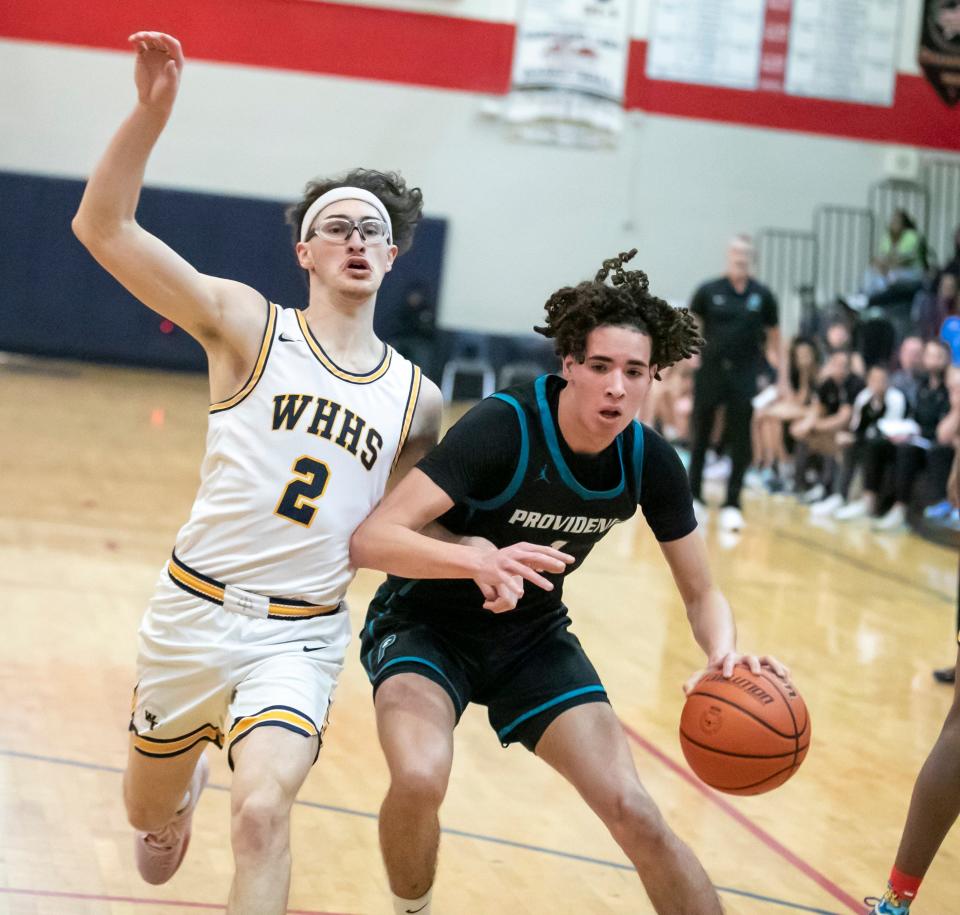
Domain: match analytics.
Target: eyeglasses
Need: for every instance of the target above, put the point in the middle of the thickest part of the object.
(338, 229)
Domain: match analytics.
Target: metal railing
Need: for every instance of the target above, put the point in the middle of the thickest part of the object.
(845, 243)
(943, 181)
(787, 264)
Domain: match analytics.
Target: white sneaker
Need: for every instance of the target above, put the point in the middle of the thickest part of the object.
(826, 507)
(892, 520)
(701, 513)
(718, 469)
(731, 519)
(859, 508)
(814, 494)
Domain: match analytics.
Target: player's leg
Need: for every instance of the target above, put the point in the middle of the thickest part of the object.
(415, 723)
(270, 765)
(587, 746)
(934, 808)
(277, 715)
(421, 688)
(179, 703)
(555, 705)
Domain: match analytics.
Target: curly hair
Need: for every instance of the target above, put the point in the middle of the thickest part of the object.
(574, 311)
(404, 204)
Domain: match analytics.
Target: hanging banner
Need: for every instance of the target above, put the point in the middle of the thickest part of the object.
(569, 71)
(844, 50)
(939, 54)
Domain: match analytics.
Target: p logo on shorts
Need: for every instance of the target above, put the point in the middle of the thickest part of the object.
(384, 645)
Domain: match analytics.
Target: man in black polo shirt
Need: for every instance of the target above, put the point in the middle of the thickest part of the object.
(738, 317)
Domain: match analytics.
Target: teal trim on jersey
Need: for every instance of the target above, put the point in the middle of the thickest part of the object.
(542, 708)
(426, 663)
(518, 474)
(638, 445)
(550, 433)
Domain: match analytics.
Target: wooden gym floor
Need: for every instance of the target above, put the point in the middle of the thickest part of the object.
(98, 468)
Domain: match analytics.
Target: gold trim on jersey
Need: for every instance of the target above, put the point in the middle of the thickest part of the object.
(258, 368)
(412, 396)
(174, 746)
(210, 589)
(335, 369)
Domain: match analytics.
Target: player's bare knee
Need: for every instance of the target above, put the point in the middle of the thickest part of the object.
(260, 821)
(632, 817)
(420, 782)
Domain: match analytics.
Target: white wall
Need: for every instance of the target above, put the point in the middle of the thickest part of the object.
(523, 219)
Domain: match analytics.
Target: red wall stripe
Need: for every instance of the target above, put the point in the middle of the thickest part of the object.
(451, 53)
(353, 41)
(918, 116)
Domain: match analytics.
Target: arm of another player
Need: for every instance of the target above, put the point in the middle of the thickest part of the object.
(212, 310)
(390, 540)
(710, 616)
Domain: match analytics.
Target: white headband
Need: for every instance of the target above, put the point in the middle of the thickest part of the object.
(344, 193)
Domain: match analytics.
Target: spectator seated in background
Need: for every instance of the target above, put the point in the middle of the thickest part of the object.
(952, 266)
(897, 270)
(909, 376)
(907, 448)
(932, 307)
(878, 400)
(839, 336)
(779, 405)
(816, 432)
(948, 432)
(669, 404)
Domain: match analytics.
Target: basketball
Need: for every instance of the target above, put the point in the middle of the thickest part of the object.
(747, 734)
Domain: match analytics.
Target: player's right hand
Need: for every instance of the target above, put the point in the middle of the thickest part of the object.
(500, 574)
(158, 69)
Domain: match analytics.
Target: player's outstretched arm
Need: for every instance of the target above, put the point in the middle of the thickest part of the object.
(710, 616)
(390, 540)
(212, 310)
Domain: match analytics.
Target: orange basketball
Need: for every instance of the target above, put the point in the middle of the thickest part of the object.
(745, 735)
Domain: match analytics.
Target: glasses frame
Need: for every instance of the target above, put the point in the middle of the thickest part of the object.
(354, 224)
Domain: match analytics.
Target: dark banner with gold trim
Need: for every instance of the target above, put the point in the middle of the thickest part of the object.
(939, 54)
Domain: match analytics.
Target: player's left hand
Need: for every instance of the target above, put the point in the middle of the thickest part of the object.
(726, 663)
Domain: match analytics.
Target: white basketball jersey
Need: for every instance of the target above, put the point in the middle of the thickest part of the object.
(294, 462)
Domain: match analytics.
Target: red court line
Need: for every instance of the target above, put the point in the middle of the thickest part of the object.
(779, 848)
(134, 900)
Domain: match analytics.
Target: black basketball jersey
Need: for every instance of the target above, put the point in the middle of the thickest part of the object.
(543, 503)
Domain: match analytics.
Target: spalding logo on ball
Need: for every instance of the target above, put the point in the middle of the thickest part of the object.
(747, 734)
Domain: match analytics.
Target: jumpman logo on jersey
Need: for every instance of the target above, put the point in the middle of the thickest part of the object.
(542, 476)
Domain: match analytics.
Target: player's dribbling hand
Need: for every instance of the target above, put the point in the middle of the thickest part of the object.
(501, 573)
(731, 659)
(157, 73)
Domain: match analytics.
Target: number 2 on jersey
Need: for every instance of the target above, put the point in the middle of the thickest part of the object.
(295, 503)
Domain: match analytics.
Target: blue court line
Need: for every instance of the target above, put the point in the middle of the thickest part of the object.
(863, 566)
(460, 833)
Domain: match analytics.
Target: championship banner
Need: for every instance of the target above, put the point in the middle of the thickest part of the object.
(939, 54)
(569, 71)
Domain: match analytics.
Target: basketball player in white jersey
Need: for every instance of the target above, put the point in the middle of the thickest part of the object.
(245, 635)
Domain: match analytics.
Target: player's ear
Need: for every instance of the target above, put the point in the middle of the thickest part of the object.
(392, 252)
(567, 365)
(304, 255)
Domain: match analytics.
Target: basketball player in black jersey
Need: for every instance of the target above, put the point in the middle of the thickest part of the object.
(538, 473)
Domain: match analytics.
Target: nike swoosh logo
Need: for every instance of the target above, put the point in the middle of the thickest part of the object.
(283, 338)
(414, 911)
(319, 648)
